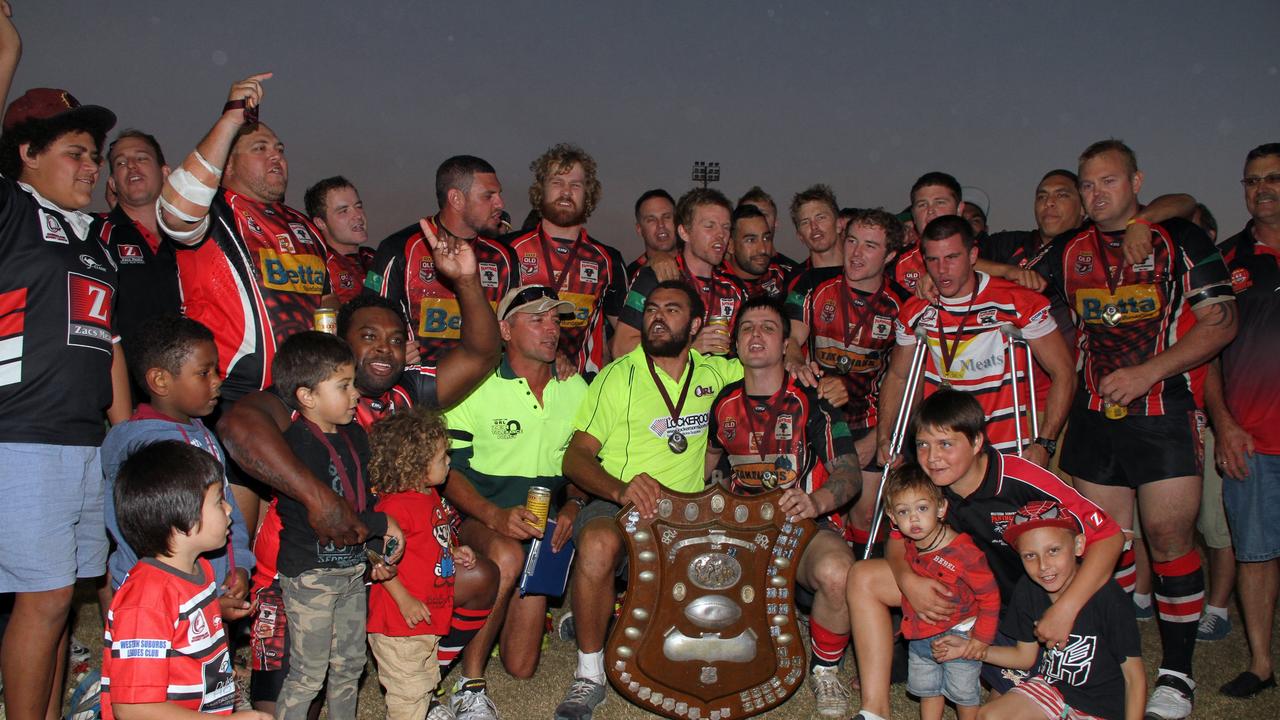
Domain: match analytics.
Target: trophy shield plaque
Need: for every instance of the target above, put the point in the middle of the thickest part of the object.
(708, 629)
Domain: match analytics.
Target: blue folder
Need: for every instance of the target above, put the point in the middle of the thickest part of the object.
(546, 572)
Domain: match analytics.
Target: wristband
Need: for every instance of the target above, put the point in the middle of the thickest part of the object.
(1048, 444)
(1138, 221)
(250, 113)
(580, 502)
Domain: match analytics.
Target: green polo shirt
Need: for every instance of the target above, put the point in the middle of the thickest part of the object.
(505, 441)
(626, 413)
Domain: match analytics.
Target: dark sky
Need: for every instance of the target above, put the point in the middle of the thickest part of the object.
(863, 96)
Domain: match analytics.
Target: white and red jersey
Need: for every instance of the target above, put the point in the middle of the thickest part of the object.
(347, 272)
(405, 273)
(164, 642)
(976, 352)
(256, 279)
(584, 271)
(57, 301)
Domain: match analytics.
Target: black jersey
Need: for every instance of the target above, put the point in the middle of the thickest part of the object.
(148, 272)
(57, 298)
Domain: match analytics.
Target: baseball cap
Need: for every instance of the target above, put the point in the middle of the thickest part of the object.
(1038, 514)
(50, 103)
(532, 299)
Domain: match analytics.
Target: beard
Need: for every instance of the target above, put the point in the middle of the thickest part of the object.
(670, 347)
(562, 217)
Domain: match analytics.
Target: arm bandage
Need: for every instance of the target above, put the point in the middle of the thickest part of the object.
(190, 188)
(185, 237)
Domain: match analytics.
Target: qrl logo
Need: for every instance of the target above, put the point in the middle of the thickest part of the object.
(88, 312)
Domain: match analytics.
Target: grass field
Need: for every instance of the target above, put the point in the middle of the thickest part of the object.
(1216, 663)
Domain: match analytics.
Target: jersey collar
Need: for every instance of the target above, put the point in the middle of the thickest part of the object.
(80, 221)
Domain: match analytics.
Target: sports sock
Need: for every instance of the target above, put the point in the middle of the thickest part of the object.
(591, 666)
(828, 647)
(1126, 574)
(462, 627)
(1215, 610)
(1142, 600)
(1179, 591)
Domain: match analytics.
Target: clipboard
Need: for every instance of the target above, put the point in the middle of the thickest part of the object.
(546, 572)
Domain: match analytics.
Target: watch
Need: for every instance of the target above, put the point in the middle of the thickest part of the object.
(1048, 444)
(579, 501)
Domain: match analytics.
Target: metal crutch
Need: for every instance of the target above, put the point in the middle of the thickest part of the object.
(1014, 337)
(900, 425)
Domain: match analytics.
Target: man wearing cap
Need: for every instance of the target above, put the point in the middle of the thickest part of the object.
(509, 435)
(644, 423)
(57, 345)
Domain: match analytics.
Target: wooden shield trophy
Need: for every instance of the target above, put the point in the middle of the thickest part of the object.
(708, 629)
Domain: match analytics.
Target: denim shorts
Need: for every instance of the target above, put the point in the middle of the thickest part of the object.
(957, 680)
(1253, 509)
(51, 524)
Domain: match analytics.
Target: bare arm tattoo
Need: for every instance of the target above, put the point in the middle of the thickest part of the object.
(845, 481)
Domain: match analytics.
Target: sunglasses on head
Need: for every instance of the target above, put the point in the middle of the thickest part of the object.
(528, 295)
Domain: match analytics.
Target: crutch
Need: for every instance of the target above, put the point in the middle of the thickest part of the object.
(1014, 337)
(900, 426)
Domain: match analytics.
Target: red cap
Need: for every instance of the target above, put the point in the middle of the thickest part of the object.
(1038, 514)
(49, 103)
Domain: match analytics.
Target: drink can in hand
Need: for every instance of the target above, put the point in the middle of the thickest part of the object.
(539, 502)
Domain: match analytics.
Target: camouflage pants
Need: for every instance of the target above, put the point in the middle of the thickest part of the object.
(326, 610)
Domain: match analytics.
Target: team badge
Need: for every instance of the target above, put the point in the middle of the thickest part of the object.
(1240, 280)
(130, 254)
(929, 318)
(729, 428)
(1000, 522)
(252, 224)
(1084, 263)
(782, 430)
(198, 629)
(881, 326)
(589, 271)
(528, 264)
(427, 271)
(286, 244)
(1148, 264)
(345, 282)
(300, 231)
(828, 311)
(910, 278)
(488, 274)
(53, 231)
(726, 306)
(987, 317)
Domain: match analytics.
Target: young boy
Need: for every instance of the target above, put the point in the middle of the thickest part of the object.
(983, 489)
(323, 585)
(934, 550)
(165, 652)
(175, 360)
(1099, 673)
(409, 613)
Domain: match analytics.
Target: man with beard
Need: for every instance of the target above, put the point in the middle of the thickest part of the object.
(750, 254)
(656, 226)
(252, 431)
(1133, 429)
(508, 435)
(404, 271)
(560, 254)
(703, 222)
(639, 427)
(334, 205)
(779, 434)
(145, 257)
(845, 325)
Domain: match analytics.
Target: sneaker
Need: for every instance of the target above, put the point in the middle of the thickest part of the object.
(1246, 685)
(1171, 700)
(471, 702)
(1213, 628)
(440, 711)
(581, 700)
(86, 700)
(79, 652)
(830, 695)
(565, 629)
(1144, 613)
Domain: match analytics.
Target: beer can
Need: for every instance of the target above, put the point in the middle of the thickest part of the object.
(720, 320)
(538, 502)
(1114, 411)
(326, 320)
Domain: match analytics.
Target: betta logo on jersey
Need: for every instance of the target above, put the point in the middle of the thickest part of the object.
(439, 318)
(1240, 280)
(1135, 303)
(292, 273)
(582, 306)
(89, 312)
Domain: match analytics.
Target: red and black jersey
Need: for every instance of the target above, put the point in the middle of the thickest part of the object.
(804, 277)
(405, 273)
(721, 294)
(1010, 483)
(1150, 304)
(584, 271)
(908, 267)
(147, 266)
(417, 386)
(347, 272)
(975, 355)
(634, 267)
(256, 279)
(786, 440)
(57, 298)
(1251, 363)
(854, 325)
(772, 283)
(165, 643)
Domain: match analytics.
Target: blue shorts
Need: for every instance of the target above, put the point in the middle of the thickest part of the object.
(51, 522)
(1002, 680)
(1253, 509)
(957, 680)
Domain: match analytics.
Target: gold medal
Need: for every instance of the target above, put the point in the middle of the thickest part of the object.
(843, 365)
(1114, 411)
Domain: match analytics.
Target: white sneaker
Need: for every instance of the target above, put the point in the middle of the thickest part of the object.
(830, 693)
(470, 701)
(1171, 700)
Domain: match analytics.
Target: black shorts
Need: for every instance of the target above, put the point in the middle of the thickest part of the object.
(869, 464)
(1134, 450)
